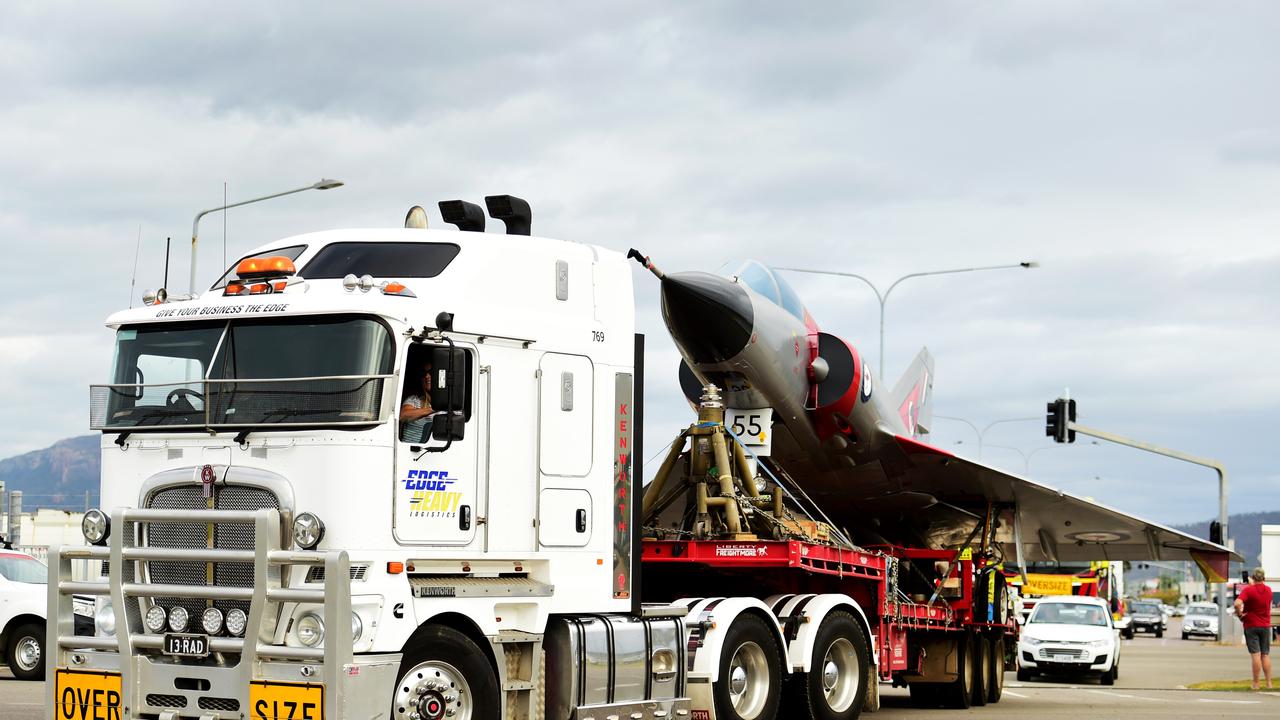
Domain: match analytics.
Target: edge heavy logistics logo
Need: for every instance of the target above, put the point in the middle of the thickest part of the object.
(432, 496)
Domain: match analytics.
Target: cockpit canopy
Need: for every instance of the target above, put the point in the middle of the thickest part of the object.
(764, 281)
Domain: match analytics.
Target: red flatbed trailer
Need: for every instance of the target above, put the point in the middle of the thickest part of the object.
(864, 574)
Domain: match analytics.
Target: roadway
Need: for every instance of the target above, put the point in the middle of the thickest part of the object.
(1152, 673)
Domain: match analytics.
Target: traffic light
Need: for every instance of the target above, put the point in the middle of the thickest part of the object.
(1215, 532)
(1071, 415)
(1055, 420)
(1059, 412)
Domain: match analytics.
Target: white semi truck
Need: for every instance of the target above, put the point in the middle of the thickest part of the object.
(277, 542)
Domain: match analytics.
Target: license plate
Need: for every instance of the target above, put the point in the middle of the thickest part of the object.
(186, 645)
(285, 701)
(1064, 658)
(80, 694)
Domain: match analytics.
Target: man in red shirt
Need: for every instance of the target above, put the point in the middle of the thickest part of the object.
(1253, 607)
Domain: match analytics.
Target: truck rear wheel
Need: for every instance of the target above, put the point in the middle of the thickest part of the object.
(958, 694)
(750, 672)
(835, 688)
(995, 680)
(444, 674)
(26, 652)
(981, 670)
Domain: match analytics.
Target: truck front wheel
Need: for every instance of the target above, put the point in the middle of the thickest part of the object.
(750, 672)
(835, 688)
(26, 652)
(444, 674)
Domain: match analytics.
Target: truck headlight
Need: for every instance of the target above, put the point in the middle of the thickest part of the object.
(357, 627)
(179, 618)
(308, 531)
(211, 621)
(1099, 643)
(236, 621)
(155, 619)
(310, 630)
(104, 621)
(95, 526)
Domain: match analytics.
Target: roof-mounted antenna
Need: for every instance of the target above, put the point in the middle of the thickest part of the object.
(511, 210)
(133, 281)
(469, 217)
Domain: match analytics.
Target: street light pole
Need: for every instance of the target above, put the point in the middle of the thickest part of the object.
(321, 184)
(883, 298)
(982, 434)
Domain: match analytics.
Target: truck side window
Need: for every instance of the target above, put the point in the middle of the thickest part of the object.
(429, 391)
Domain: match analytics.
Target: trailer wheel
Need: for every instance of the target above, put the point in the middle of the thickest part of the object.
(981, 670)
(995, 680)
(26, 652)
(750, 672)
(959, 693)
(835, 688)
(443, 675)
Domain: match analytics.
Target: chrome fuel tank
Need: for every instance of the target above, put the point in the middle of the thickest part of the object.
(598, 661)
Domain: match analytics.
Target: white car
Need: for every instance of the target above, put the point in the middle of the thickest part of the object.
(1070, 634)
(24, 600)
(1201, 619)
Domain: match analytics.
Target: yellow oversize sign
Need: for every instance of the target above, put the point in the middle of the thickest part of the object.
(285, 701)
(82, 695)
(1047, 584)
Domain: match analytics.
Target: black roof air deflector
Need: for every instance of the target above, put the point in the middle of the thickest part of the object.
(511, 210)
(469, 217)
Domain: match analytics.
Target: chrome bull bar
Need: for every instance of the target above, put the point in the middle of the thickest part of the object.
(66, 650)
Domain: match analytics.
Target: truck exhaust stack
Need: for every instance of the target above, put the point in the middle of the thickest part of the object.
(511, 210)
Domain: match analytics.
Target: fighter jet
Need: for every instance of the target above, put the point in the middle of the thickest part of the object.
(860, 451)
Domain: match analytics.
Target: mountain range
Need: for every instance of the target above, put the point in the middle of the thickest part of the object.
(57, 476)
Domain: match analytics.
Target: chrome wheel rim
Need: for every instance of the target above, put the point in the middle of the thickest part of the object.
(840, 675)
(748, 680)
(433, 690)
(27, 654)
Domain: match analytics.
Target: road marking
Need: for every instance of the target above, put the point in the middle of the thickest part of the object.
(1014, 694)
(1130, 697)
(1233, 702)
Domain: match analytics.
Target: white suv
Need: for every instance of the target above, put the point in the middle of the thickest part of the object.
(1070, 634)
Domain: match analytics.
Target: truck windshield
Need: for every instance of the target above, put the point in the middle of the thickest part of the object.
(246, 372)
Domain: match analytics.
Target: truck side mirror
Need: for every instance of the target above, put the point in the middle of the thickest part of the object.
(448, 379)
(448, 426)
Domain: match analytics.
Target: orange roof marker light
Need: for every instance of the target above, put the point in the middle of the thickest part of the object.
(396, 288)
(267, 267)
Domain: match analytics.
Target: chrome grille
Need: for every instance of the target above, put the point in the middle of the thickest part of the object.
(171, 701)
(195, 535)
(1049, 653)
(216, 703)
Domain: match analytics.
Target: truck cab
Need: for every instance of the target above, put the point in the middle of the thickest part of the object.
(272, 525)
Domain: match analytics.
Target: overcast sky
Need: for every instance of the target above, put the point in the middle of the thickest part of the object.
(1132, 148)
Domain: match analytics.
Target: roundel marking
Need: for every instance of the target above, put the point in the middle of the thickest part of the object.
(866, 383)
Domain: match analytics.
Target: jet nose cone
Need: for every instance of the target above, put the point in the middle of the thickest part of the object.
(708, 316)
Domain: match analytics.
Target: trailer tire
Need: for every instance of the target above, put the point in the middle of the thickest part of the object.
(981, 670)
(445, 670)
(959, 693)
(995, 680)
(750, 684)
(25, 654)
(836, 686)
